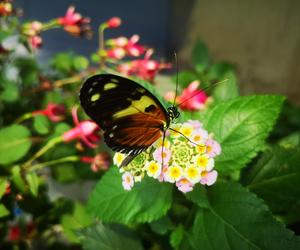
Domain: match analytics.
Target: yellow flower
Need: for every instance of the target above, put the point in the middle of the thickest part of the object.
(153, 169)
(193, 174)
(176, 127)
(204, 162)
(174, 173)
(186, 130)
(118, 158)
(201, 149)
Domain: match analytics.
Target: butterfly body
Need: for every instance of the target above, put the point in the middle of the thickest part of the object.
(131, 117)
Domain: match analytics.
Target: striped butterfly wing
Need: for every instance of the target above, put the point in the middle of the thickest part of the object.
(131, 117)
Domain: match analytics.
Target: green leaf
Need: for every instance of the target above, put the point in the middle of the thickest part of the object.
(63, 62)
(33, 183)
(237, 219)
(218, 71)
(200, 56)
(241, 126)
(3, 185)
(276, 178)
(162, 225)
(10, 93)
(146, 202)
(28, 70)
(80, 63)
(226, 90)
(14, 143)
(78, 219)
(41, 124)
(177, 236)
(3, 211)
(185, 78)
(105, 238)
(18, 179)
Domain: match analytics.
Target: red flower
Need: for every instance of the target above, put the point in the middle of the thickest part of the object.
(14, 233)
(55, 112)
(116, 53)
(114, 22)
(191, 98)
(74, 23)
(85, 130)
(100, 161)
(144, 68)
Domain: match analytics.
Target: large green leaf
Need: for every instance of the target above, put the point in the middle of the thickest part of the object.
(41, 124)
(147, 201)
(241, 126)
(14, 143)
(276, 178)
(226, 90)
(103, 237)
(233, 218)
(200, 56)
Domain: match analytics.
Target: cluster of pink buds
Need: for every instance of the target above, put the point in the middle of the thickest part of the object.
(6, 8)
(32, 30)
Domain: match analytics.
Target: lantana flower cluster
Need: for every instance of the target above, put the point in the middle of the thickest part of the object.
(185, 158)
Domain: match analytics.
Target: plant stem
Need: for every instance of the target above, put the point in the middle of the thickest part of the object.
(72, 158)
(24, 117)
(101, 29)
(43, 150)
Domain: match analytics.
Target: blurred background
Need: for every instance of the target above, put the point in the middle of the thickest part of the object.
(261, 38)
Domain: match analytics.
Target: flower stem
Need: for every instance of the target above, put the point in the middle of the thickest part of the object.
(24, 117)
(101, 29)
(43, 150)
(72, 158)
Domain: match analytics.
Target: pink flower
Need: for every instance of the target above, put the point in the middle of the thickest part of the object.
(132, 48)
(184, 185)
(213, 148)
(127, 181)
(33, 28)
(143, 68)
(114, 22)
(208, 178)
(196, 124)
(85, 130)
(161, 177)
(74, 23)
(191, 98)
(35, 41)
(100, 161)
(117, 42)
(55, 112)
(162, 153)
(116, 53)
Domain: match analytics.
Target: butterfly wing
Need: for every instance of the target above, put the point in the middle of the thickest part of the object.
(131, 117)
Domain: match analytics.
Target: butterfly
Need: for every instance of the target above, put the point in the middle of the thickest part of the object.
(131, 117)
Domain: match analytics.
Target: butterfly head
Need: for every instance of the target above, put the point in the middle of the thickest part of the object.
(173, 113)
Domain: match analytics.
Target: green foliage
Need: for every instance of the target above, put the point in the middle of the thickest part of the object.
(177, 236)
(241, 126)
(275, 178)
(233, 218)
(145, 203)
(33, 183)
(200, 57)
(14, 143)
(41, 124)
(104, 237)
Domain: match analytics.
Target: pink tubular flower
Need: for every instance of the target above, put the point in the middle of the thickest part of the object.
(117, 42)
(133, 48)
(144, 68)
(184, 185)
(114, 22)
(85, 130)
(55, 112)
(74, 23)
(192, 98)
(100, 161)
(208, 178)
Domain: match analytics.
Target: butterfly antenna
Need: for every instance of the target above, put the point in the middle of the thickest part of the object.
(176, 90)
(214, 84)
